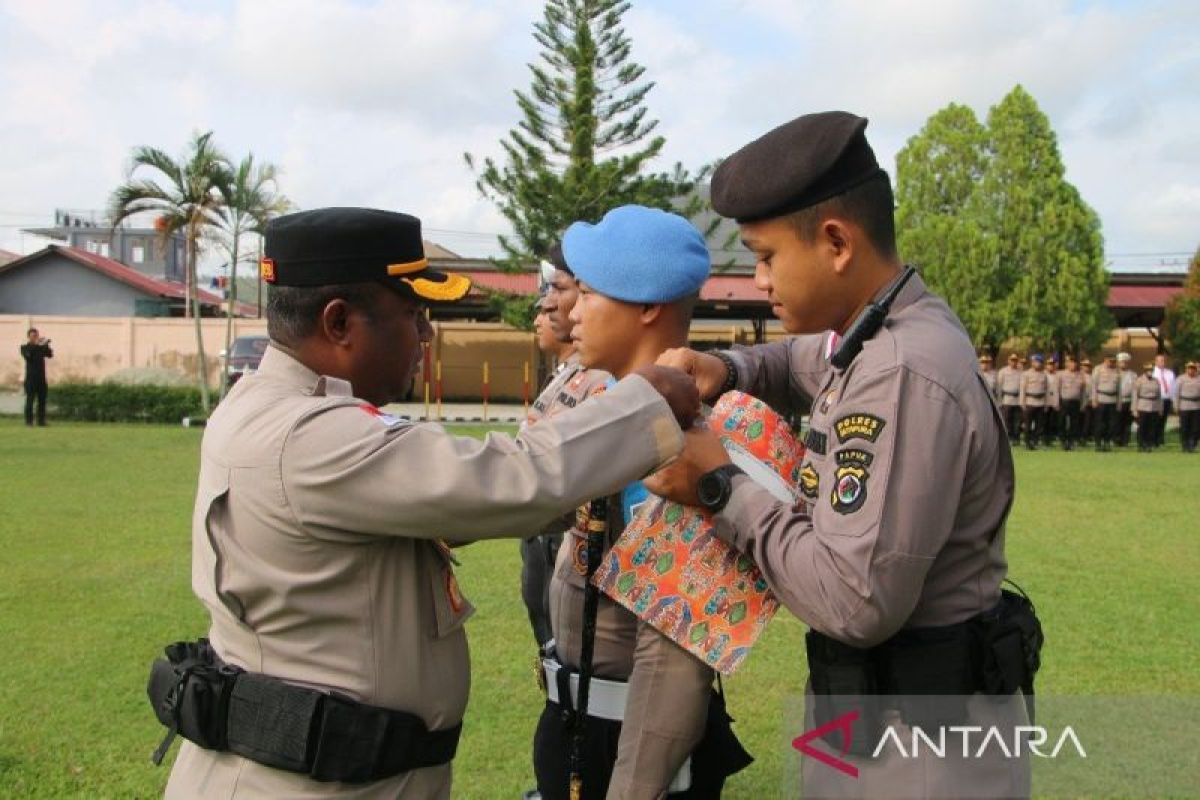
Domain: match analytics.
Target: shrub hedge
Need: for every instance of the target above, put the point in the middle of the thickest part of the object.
(117, 402)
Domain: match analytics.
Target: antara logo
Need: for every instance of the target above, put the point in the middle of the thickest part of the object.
(977, 742)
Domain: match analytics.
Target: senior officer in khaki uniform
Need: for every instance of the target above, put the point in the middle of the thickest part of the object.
(915, 476)
(570, 385)
(318, 520)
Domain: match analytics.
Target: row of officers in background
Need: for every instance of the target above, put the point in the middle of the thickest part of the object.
(1079, 404)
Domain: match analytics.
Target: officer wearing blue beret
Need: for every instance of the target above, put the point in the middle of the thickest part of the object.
(653, 723)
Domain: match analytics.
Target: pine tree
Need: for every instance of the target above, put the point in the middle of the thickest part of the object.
(1181, 325)
(1044, 232)
(584, 144)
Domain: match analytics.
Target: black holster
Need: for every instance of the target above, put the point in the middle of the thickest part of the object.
(925, 674)
(189, 691)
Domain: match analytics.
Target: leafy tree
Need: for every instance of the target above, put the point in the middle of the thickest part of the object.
(1044, 231)
(988, 214)
(251, 199)
(583, 144)
(1181, 325)
(938, 174)
(185, 194)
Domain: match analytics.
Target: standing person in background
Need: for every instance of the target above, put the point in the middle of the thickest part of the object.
(1106, 387)
(1187, 400)
(989, 376)
(1166, 381)
(1071, 393)
(1125, 398)
(35, 351)
(569, 385)
(1087, 428)
(1148, 406)
(1034, 388)
(1053, 425)
(1008, 381)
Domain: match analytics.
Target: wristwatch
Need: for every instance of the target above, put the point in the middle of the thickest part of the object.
(716, 486)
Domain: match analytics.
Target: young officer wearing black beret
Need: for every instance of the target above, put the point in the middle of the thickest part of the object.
(903, 524)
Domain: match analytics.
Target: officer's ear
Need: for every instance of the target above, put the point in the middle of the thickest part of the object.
(837, 239)
(335, 324)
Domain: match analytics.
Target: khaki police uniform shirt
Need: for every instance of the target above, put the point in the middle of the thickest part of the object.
(1035, 388)
(571, 384)
(1053, 382)
(315, 546)
(1071, 385)
(1106, 385)
(1187, 393)
(989, 380)
(904, 525)
(1148, 392)
(1127, 392)
(1008, 382)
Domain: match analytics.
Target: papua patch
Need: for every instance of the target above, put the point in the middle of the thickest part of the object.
(810, 482)
(859, 426)
(850, 482)
(853, 457)
(816, 440)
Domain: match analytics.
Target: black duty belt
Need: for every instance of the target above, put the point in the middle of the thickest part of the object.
(326, 736)
(1035, 396)
(1011, 394)
(927, 674)
(1106, 394)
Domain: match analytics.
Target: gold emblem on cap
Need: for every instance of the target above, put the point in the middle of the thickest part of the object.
(453, 288)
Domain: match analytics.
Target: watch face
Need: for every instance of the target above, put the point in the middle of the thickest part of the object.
(710, 489)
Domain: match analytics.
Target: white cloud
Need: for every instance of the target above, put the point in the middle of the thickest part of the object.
(367, 103)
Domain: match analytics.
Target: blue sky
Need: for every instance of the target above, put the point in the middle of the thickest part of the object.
(373, 103)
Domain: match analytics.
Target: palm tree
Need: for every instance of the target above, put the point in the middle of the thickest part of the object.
(186, 201)
(251, 200)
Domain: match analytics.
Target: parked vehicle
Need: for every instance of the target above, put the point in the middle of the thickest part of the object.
(244, 356)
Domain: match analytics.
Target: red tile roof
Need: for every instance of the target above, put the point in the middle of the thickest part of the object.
(130, 277)
(1141, 296)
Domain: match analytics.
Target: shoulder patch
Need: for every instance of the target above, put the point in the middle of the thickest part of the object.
(859, 426)
(850, 480)
(386, 419)
(810, 482)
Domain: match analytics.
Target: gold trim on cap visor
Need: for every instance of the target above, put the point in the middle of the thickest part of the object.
(455, 287)
(408, 268)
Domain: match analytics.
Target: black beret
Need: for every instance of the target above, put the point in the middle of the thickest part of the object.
(797, 165)
(355, 245)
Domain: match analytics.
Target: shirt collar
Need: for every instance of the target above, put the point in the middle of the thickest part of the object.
(283, 367)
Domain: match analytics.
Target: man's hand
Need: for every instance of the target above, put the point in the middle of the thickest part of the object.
(677, 389)
(708, 371)
(702, 452)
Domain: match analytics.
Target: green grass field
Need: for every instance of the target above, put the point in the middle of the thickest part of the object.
(94, 580)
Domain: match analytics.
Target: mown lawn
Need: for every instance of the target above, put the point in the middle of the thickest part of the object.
(94, 579)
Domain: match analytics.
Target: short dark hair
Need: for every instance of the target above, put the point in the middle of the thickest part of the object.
(31, 330)
(293, 311)
(871, 205)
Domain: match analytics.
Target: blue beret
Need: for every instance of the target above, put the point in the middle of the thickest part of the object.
(638, 254)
